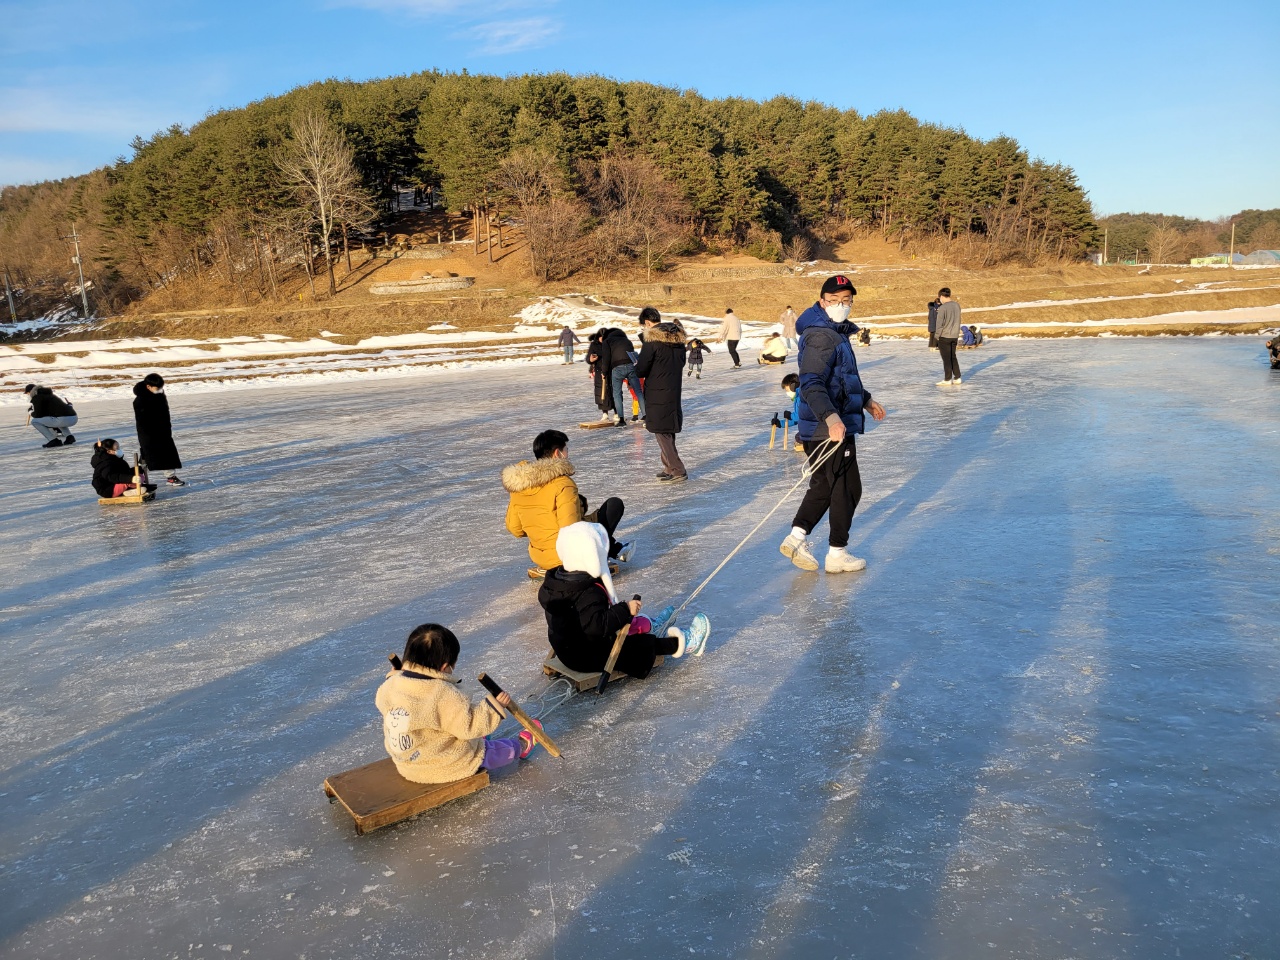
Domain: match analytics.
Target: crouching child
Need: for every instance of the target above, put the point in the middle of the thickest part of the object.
(584, 615)
(432, 732)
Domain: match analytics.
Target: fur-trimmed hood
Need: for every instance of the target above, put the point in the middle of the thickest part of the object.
(666, 332)
(530, 474)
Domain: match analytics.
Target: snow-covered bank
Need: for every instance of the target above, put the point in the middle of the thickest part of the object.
(86, 369)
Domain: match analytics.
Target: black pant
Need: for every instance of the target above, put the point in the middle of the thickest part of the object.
(834, 486)
(608, 515)
(933, 339)
(950, 365)
(733, 352)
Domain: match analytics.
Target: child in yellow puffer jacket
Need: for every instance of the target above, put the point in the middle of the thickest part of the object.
(432, 732)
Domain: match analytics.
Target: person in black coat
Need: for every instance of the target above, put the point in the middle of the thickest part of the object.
(622, 368)
(52, 416)
(583, 617)
(155, 429)
(598, 364)
(112, 475)
(660, 366)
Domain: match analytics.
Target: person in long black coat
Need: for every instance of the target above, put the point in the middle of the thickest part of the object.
(661, 365)
(155, 428)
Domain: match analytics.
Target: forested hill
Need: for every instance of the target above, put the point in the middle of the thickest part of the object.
(572, 155)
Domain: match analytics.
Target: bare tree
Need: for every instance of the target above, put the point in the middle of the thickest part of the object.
(640, 212)
(1166, 244)
(798, 249)
(320, 167)
(553, 217)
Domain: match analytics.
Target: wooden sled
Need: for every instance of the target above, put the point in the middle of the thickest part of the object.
(376, 795)
(537, 573)
(582, 682)
(139, 494)
(597, 424)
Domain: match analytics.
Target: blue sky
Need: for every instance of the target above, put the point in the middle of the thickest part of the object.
(1167, 107)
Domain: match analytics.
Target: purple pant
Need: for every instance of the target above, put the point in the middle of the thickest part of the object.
(500, 752)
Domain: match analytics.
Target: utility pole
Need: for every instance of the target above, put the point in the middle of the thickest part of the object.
(1231, 254)
(84, 295)
(1104, 246)
(8, 292)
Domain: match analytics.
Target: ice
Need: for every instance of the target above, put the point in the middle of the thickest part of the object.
(1043, 723)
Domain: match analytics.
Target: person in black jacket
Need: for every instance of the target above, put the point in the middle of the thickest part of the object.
(598, 364)
(112, 475)
(155, 429)
(933, 322)
(52, 416)
(660, 365)
(622, 367)
(584, 615)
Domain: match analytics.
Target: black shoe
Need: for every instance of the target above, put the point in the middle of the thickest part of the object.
(68, 440)
(636, 418)
(176, 482)
(151, 487)
(663, 475)
(674, 478)
(55, 442)
(622, 422)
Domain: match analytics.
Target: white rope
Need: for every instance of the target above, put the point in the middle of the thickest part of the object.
(808, 471)
(540, 703)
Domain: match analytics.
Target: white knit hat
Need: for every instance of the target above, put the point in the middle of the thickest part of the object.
(584, 548)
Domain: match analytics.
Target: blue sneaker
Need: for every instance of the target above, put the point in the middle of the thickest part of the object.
(696, 637)
(665, 618)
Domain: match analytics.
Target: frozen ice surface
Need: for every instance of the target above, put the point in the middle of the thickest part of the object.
(1042, 724)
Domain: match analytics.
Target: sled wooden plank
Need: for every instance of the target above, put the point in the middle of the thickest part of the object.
(597, 424)
(376, 795)
(582, 682)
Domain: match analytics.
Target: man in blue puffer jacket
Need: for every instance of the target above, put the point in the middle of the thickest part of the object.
(832, 403)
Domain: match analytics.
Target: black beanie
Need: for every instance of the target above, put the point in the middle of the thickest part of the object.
(28, 388)
(153, 380)
(838, 283)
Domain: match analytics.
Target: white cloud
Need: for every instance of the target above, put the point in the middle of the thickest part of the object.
(52, 110)
(414, 8)
(509, 36)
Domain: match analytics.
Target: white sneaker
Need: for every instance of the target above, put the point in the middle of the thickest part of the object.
(625, 550)
(944, 383)
(956, 381)
(839, 560)
(605, 418)
(797, 550)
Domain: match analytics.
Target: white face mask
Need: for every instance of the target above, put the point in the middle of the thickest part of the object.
(791, 394)
(838, 312)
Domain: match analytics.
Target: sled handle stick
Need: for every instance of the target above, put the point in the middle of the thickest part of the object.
(773, 430)
(525, 720)
(618, 641)
(396, 662)
(786, 425)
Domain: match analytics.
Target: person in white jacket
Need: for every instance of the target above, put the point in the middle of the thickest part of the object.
(730, 334)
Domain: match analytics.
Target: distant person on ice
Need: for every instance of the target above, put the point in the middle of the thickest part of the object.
(567, 339)
(774, 350)
(545, 498)
(791, 386)
(1273, 350)
(584, 615)
(948, 334)
(832, 404)
(696, 348)
(932, 307)
(112, 474)
(52, 416)
(155, 429)
(788, 321)
(431, 731)
(660, 364)
(730, 334)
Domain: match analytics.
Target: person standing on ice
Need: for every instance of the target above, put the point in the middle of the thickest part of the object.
(544, 498)
(832, 406)
(52, 416)
(730, 334)
(622, 369)
(567, 339)
(155, 429)
(660, 365)
(788, 321)
(948, 335)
